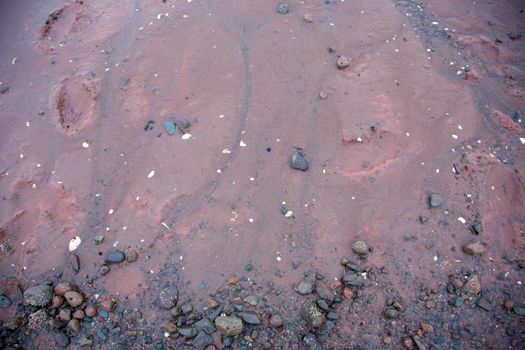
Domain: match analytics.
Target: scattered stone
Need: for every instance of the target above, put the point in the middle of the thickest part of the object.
(514, 35)
(477, 228)
(107, 304)
(131, 255)
(508, 305)
(115, 257)
(250, 317)
(298, 161)
(348, 293)
(212, 304)
(473, 285)
(104, 270)
(187, 332)
(283, 8)
(84, 341)
(474, 249)
(252, 300)
(79, 314)
(186, 308)
(353, 280)
(391, 313)
(276, 321)
(422, 219)
(149, 124)
(324, 292)
(323, 95)
(168, 297)
(229, 325)
(169, 125)
(182, 124)
(342, 62)
(419, 343)
(202, 340)
(73, 298)
(322, 304)
(312, 314)
(57, 302)
(5, 302)
(63, 288)
(205, 325)
(435, 200)
(74, 324)
(425, 327)
(74, 262)
(65, 315)
(519, 310)
(360, 248)
(308, 17)
(4, 89)
(456, 282)
(169, 327)
(484, 304)
(304, 288)
(61, 339)
(99, 239)
(38, 295)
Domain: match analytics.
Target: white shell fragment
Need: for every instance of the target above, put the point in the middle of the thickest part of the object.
(242, 143)
(151, 174)
(74, 243)
(85, 145)
(288, 214)
(186, 136)
(462, 220)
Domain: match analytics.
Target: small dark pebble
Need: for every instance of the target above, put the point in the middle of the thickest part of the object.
(74, 261)
(149, 124)
(5, 302)
(4, 89)
(115, 257)
(422, 219)
(435, 200)
(391, 313)
(298, 161)
(519, 310)
(514, 35)
(283, 8)
(61, 339)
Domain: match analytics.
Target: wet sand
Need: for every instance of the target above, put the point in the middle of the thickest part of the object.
(431, 103)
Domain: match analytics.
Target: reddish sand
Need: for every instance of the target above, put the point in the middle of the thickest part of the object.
(426, 84)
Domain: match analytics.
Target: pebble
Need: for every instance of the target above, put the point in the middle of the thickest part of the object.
(435, 200)
(74, 262)
(186, 308)
(348, 293)
(474, 249)
(205, 325)
(250, 317)
(308, 17)
(212, 304)
(63, 288)
(283, 8)
(298, 161)
(115, 257)
(360, 248)
(252, 300)
(342, 62)
(57, 301)
(107, 304)
(514, 35)
(202, 340)
(169, 327)
(229, 325)
(131, 255)
(182, 123)
(519, 310)
(473, 285)
(312, 314)
(74, 324)
(5, 302)
(324, 292)
(353, 280)
(65, 315)
(61, 339)
(276, 321)
(323, 95)
(40, 295)
(391, 313)
(304, 288)
(169, 125)
(508, 305)
(74, 299)
(104, 270)
(79, 314)
(99, 239)
(84, 341)
(168, 297)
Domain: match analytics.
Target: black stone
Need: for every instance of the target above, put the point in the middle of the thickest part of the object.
(298, 161)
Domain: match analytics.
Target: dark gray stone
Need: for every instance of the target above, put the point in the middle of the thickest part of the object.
(61, 339)
(205, 325)
(38, 295)
(304, 288)
(250, 317)
(5, 302)
(353, 280)
(168, 297)
(435, 200)
(283, 8)
(115, 257)
(298, 161)
(202, 340)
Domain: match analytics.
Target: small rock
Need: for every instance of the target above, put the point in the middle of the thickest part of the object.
(57, 302)
(79, 314)
(182, 124)
(90, 310)
(115, 257)
(473, 285)
(186, 308)
(38, 295)
(304, 288)
(348, 293)
(84, 341)
(131, 255)
(456, 282)
(519, 310)
(74, 299)
(477, 228)
(74, 324)
(419, 343)
(169, 327)
(63, 288)
(484, 304)
(508, 305)
(422, 219)
(474, 249)
(308, 17)
(65, 315)
(425, 327)
(169, 125)
(202, 340)
(61, 339)
(5, 302)
(360, 248)
(312, 314)
(107, 304)
(168, 297)
(252, 300)
(99, 239)
(276, 321)
(212, 304)
(104, 269)
(322, 304)
(250, 317)
(353, 280)
(298, 161)
(391, 313)
(205, 325)
(4, 89)
(283, 8)
(342, 62)
(187, 332)
(74, 262)
(514, 35)
(435, 200)
(323, 95)
(229, 325)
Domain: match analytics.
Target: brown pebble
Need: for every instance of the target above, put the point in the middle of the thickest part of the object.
(212, 304)
(63, 288)
(79, 314)
(233, 280)
(430, 304)
(387, 339)
(74, 324)
(348, 293)
(408, 343)
(276, 321)
(131, 255)
(57, 301)
(474, 249)
(74, 299)
(456, 282)
(65, 315)
(343, 62)
(90, 310)
(169, 327)
(323, 95)
(107, 304)
(508, 305)
(425, 327)
(308, 17)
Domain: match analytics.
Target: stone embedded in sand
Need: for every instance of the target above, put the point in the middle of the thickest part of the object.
(65, 315)
(182, 124)
(74, 299)
(61, 339)
(107, 304)
(308, 17)
(202, 340)
(38, 295)
(435, 200)
(304, 288)
(283, 8)
(5, 302)
(353, 280)
(169, 125)
(514, 35)
(298, 161)
(229, 325)
(74, 324)
(360, 248)
(131, 255)
(90, 310)
(168, 297)
(276, 321)
(115, 257)
(324, 292)
(63, 288)
(474, 249)
(343, 62)
(250, 317)
(312, 314)
(473, 285)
